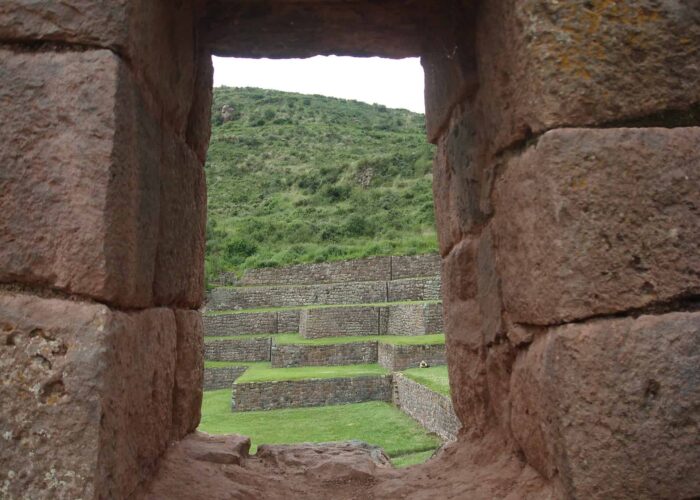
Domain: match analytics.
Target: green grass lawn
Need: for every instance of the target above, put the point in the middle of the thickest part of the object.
(295, 338)
(434, 378)
(262, 372)
(375, 422)
(313, 306)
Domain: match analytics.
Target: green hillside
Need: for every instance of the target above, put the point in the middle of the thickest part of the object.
(295, 178)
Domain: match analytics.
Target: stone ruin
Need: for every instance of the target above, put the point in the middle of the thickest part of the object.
(566, 187)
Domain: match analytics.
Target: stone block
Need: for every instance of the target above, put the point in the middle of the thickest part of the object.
(449, 65)
(87, 396)
(189, 373)
(488, 289)
(545, 64)
(199, 120)
(461, 183)
(460, 305)
(179, 272)
(339, 321)
(140, 31)
(611, 405)
(80, 178)
(598, 221)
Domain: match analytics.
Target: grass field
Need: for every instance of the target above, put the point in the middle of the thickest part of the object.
(378, 423)
(434, 377)
(262, 372)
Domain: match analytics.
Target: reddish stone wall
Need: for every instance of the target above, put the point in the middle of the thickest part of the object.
(566, 193)
(105, 107)
(566, 196)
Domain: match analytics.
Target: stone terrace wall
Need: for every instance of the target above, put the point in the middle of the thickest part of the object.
(284, 356)
(432, 410)
(373, 269)
(339, 321)
(293, 296)
(310, 392)
(240, 324)
(415, 266)
(238, 349)
(399, 319)
(401, 357)
(221, 377)
(414, 289)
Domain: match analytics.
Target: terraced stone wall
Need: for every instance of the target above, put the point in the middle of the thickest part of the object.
(223, 325)
(352, 353)
(310, 392)
(221, 377)
(400, 357)
(397, 319)
(257, 349)
(432, 410)
(372, 269)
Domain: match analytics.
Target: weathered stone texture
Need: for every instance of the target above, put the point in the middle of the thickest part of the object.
(612, 406)
(351, 353)
(411, 319)
(87, 397)
(221, 377)
(80, 177)
(220, 325)
(189, 366)
(588, 222)
(288, 321)
(432, 410)
(414, 266)
(546, 64)
(140, 31)
(372, 269)
(293, 295)
(414, 289)
(179, 268)
(339, 321)
(396, 357)
(256, 349)
(310, 392)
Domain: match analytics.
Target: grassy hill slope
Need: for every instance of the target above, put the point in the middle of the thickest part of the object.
(295, 178)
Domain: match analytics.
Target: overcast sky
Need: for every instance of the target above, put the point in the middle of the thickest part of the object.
(394, 83)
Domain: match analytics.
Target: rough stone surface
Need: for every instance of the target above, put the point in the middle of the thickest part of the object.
(79, 150)
(587, 222)
(351, 353)
(249, 396)
(339, 321)
(365, 292)
(414, 289)
(234, 349)
(179, 271)
(354, 27)
(221, 325)
(396, 357)
(611, 399)
(221, 377)
(544, 64)
(87, 397)
(477, 470)
(414, 266)
(432, 410)
(461, 308)
(140, 31)
(189, 367)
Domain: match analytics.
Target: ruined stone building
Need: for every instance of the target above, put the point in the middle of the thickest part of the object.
(567, 195)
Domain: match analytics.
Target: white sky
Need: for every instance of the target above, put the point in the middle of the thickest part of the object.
(395, 83)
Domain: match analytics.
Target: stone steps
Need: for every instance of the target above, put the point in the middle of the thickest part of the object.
(360, 292)
(387, 318)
